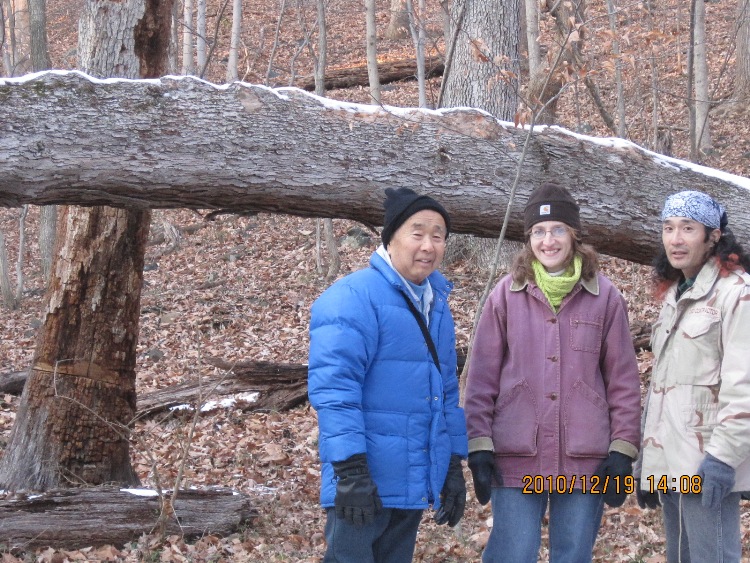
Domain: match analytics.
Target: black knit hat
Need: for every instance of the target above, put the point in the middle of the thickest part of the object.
(401, 204)
(551, 202)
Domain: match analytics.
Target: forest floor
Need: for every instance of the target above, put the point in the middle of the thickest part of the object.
(240, 288)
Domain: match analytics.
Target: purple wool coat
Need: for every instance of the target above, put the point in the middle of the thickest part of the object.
(552, 393)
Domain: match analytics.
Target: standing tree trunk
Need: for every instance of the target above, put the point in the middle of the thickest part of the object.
(532, 36)
(372, 50)
(187, 37)
(700, 65)
(234, 45)
(71, 427)
(742, 66)
(20, 33)
(201, 45)
(173, 58)
(6, 291)
(40, 61)
(416, 28)
(484, 74)
(612, 13)
(398, 24)
(47, 229)
(38, 35)
(485, 66)
(71, 424)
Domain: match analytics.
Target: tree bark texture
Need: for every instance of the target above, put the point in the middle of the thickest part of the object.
(742, 65)
(371, 41)
(702, 102)
(71, 423)
(123, 39)
(485, 67)
(398, 22)
(144, 143)
(38, 33)
(78, 518)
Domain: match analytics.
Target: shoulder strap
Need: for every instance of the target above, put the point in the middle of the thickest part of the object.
(425, 331)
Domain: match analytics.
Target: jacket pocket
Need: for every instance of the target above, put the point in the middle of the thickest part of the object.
(586, 334)
(388, 451)
(586, 422)
(516, 422)
(697, 349)
(700, 420)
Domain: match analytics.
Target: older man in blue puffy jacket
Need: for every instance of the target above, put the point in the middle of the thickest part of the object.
(382, 377)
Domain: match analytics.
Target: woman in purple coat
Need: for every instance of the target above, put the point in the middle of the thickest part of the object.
(553, 393)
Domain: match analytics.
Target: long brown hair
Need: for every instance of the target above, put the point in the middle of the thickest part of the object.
(522, 271)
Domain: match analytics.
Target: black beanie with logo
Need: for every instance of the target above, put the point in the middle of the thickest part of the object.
(401, 204)
(551, 202)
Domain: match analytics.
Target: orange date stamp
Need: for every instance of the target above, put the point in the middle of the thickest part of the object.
(587, 484)
(683, 484)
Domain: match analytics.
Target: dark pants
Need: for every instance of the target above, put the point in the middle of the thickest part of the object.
(390, 539)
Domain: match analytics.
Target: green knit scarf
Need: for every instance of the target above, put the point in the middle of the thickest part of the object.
(555, 288)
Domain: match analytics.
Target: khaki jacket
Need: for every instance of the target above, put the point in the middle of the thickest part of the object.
(699, 398)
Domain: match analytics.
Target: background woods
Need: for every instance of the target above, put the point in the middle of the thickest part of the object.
(239, 287)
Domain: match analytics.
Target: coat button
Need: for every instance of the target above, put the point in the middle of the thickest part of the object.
(553, 320)
(553, 396)
(553, 358)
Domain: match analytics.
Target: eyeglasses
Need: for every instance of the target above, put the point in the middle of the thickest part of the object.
(557, 232)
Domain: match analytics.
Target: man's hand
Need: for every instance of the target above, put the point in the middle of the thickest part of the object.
(453, 496)
(717, 480)
(357, 499)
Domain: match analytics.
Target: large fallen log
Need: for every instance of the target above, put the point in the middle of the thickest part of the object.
(77, 518)
(69, 138)
(388, 71)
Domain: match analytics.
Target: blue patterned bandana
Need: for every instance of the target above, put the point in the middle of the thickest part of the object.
(694, 205)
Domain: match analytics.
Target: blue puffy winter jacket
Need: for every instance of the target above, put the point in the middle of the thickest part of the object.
(377, 391)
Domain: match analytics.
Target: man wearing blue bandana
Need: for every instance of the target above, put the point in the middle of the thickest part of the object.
(382, 378)
(695, 458)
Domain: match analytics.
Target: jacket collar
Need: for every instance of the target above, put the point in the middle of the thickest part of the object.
(438, 282)
(703, 284)
(592, 285)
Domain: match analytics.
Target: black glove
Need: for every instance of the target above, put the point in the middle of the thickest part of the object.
(616, 466)
(453, 496)
(717, 480)
(482, 465)
(357, 499)
(647, 499)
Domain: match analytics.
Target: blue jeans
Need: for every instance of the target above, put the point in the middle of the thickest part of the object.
(390, 539)
(695, 533)
(516, 535)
